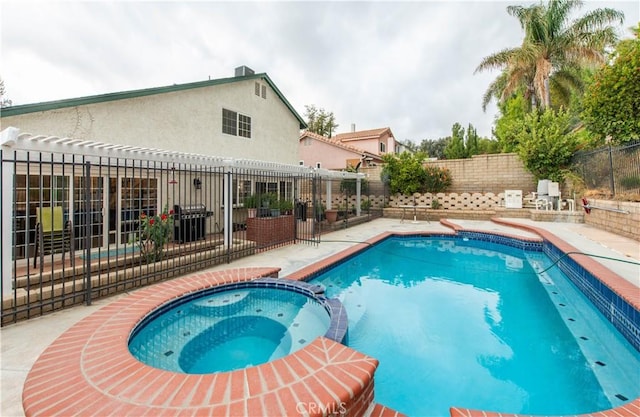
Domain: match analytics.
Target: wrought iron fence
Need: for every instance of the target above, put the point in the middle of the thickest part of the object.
(612, 170)
(79, 226)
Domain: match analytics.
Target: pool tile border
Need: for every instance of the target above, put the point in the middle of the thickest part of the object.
(89, 370)
(625, 294)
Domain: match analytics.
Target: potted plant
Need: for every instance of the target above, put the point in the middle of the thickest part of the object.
(331, 215)
(273, 204)
(286, 206)
(251, 203)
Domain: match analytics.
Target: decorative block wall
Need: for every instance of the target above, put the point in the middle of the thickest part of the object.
(451, 201)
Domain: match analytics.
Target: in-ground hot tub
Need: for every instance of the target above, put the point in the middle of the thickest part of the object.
(235, 326)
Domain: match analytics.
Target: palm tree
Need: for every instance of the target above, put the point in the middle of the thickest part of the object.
(552, 53)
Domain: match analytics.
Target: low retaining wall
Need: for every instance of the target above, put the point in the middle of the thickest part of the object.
(619, 223)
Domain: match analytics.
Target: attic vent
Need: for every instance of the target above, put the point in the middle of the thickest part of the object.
(243, 71)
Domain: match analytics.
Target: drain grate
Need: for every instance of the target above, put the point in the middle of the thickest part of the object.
(168, 353)
(301, 341)
(584, 338)
(571, 319)
(561, 305)
(259, 310)
(621, 397)
(601, 363)
(186, 333)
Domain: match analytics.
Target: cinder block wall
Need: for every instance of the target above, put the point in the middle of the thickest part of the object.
(488, 174)
(623, 224)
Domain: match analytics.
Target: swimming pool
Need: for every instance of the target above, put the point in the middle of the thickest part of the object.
(229, 328)
(465, 323)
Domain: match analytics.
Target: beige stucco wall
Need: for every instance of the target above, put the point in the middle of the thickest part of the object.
(187, 121)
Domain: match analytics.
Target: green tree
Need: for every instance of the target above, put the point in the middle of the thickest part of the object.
(4, 102)
(510, 122)
(320, 121)
(433, 148)
(547, 142)
(471, 141)
(455, 149)
(404, 172)
(488, 146)
(611, 105)
(553, 51)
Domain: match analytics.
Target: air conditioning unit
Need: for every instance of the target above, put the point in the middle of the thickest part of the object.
(243, 71)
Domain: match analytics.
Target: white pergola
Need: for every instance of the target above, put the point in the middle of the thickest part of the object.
(135, 156)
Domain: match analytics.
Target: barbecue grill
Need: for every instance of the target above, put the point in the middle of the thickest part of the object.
(189, 222)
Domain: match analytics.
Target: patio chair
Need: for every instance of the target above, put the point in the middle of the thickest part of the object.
(53, 234)
(541, 197)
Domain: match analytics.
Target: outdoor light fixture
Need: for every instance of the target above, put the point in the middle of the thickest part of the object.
(197, 183)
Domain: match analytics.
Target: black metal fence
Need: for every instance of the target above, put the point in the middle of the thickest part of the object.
(611, 170)
(82, 227)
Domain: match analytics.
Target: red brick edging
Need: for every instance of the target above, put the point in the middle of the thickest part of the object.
(89, 371)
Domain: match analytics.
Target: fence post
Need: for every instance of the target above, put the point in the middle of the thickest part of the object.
(611, 179)
(87, 232)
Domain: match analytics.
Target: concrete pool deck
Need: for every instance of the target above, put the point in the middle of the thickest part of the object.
(22, 343)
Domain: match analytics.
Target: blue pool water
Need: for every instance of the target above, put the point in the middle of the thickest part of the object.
(228, 330)
(470, 324)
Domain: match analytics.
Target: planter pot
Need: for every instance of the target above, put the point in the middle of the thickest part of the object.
(275, 212)
(331, 215)
(252, 212)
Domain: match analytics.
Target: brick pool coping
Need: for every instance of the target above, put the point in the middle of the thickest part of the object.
(618, 284)
(89, 371)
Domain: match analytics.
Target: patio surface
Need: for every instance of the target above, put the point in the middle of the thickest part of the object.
(22, 343)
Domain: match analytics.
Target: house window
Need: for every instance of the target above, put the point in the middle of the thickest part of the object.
(383, 148)
(236, 124)
(244, 126)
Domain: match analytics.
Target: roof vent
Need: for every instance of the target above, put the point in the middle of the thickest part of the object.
(243, 71)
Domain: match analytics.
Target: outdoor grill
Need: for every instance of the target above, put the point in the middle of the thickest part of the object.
(189, 222)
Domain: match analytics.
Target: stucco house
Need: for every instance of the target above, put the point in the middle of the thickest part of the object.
(376, 141)
(244, 116)
(322, 152)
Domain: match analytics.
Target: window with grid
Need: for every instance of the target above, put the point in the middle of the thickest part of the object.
(236, 124)
(229, 122)
(244, 126)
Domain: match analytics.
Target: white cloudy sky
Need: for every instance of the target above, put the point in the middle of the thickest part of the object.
(406, 65)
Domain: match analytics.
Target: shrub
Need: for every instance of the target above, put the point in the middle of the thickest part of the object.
(437, 179)
(153, 233)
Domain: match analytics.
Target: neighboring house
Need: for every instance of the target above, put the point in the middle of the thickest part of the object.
(245, 116)
(329, 153)
(375, 141)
